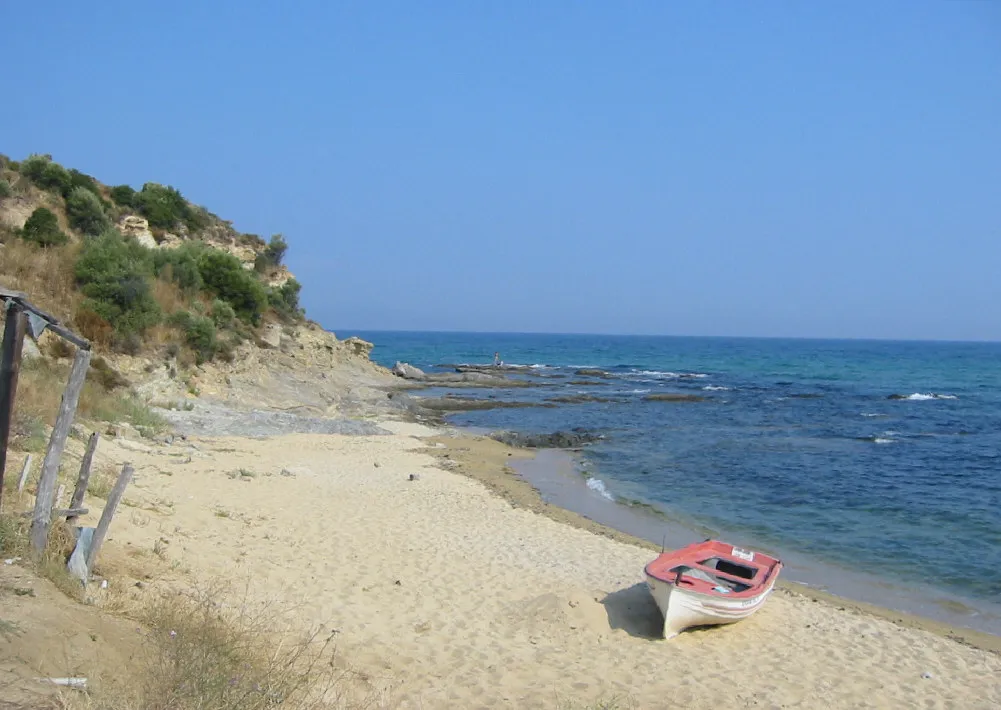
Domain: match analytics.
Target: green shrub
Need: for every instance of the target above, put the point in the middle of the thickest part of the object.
(42, 228)
(165, 207)
(34, 165)
(78, 179)
(272, 255)
(85, 212)
(285, 298)
(115, 276)
(47, 174)
(225, 277)
(181, 266)
(200, 336)
(222, 314)
(5, 189)
(123, 196)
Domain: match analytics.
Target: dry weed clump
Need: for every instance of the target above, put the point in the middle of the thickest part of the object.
(200, 656)
(46, 275)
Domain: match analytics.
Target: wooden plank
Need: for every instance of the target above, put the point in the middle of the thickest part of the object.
(25, 472)
(109, 511)
(10, 366)
(84, 478)
(57, 442)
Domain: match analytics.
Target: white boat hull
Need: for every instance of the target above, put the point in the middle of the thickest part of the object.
(684, 608)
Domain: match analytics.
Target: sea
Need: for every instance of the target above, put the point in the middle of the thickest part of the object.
(872, 467)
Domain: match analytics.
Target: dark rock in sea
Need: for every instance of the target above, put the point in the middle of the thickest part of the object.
(473, 379)
(574, 439)
(592, 372)
(494, 369)
(467, 404)
(806, 395)
(407, 371)
(581, 398)
(673, 397)
(897, 396)
(587, 383)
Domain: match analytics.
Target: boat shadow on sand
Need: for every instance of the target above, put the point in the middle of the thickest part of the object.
(634, 611)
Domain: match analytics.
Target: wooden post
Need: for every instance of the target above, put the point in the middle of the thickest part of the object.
(109, 511)
(57, 442)
(25, 472)
(84, 478)
(57, 501)
(10, 366)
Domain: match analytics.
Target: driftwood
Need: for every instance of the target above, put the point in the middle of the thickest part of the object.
(84, 478)
(109, 511)
(25, 472)
(57, 442)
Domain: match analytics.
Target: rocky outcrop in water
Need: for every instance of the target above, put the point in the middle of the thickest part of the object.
(673, 397)
(573, 439)
(582, 398)
(468, 404)
(592, 372)
(407, 371)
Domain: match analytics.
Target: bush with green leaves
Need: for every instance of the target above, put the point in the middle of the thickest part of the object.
(42, 228)
(47, 174)
(272, 255)
(82, 180)
(285, 299)
(225, 277)
(5, 189)
(115, 274)
(181, 266)
(165, 208)
(123, 196)
(223, 314)
(85, 212)
(199, 334)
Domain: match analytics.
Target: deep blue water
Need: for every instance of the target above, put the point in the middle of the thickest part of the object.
(796, 445)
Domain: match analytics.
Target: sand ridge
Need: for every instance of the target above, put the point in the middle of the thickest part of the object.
(446, 595)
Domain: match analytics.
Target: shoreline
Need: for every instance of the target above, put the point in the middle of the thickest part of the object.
(488, 461)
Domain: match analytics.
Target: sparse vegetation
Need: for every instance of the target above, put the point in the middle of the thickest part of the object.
(5, 189)
(200, 656)
(42, 228)
(272, 255)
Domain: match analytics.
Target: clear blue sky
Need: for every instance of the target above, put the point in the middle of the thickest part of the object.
(725, 168)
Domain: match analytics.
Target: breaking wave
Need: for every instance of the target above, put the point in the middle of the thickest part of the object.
(598, 486)
(716, 388)
(919, 397)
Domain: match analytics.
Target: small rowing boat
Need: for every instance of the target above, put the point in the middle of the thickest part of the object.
(709, 582)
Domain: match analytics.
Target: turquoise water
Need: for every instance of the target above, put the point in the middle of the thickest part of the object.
(797, 444)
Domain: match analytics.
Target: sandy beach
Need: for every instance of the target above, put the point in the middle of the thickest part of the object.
(446, 592)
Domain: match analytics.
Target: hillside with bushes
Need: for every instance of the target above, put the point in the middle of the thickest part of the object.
(173, 298)
(134, 269)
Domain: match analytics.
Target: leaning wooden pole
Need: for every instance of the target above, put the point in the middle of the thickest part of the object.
(109, 511)
(84, 478)
(10, 366)
(57, 442)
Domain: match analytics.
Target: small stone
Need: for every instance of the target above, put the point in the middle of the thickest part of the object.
(377, 464)
(926, 675)
(415, 476)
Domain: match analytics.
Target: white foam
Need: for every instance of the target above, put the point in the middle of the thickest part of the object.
(866, 414)
(880, 440)
(659, 374)
(638, 391)
(919, 397)
(598, 486)
(716, 388)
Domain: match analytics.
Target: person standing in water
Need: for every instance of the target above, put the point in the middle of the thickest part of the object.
(497, 360)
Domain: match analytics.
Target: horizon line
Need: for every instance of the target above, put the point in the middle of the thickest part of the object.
(667, 335)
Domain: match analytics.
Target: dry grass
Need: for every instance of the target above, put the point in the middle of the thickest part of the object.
(40, 387)
(14, 542)
(201, 655)
(46, 275)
